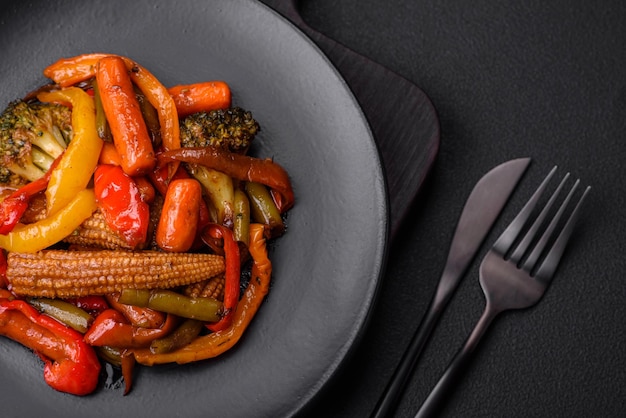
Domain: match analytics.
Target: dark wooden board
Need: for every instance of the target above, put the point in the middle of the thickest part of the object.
(402, 118)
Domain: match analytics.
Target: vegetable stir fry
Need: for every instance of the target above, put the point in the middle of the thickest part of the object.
(129, 215)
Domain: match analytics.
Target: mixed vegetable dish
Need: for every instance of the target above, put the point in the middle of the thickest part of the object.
(133, 222)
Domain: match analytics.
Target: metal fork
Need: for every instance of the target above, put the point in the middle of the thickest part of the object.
(515, 272)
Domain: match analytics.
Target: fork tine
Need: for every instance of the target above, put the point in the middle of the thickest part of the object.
(508, 237)
(531, 261)
(550, 263)
(524, 244)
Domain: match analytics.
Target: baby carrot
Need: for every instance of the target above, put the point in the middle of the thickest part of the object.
(177, 226)
(69, 71)
(200, 97)
(109, 154)
(130, 134)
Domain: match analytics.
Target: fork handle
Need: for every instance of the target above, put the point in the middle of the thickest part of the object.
(441, 391)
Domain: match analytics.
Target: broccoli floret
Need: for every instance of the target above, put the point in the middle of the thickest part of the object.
(232, 128)
(32, 136)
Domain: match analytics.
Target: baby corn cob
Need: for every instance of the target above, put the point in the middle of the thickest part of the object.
(95, 232)
(210, 288)
(58, 273)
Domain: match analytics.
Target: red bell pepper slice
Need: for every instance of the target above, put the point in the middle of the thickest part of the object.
(111, 328)
(13, 207)
(4, 282)
(232, 278)
(71, 365)
(91, 303)
(11, 211)
(121, 203)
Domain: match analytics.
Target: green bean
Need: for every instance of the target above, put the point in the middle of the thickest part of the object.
(183, 335)
(110, 354)
(150, 116)
(241, 224)
(137, 297)
(263, 209)
(203, 309)
(102, 125)
(71, 315)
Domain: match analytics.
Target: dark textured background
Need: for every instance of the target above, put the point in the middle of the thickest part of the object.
(544, 79)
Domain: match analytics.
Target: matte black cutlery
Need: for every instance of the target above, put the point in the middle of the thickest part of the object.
(516, 271)
(481, 209)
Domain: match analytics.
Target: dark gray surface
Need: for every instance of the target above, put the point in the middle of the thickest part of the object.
(508, 79)
(326, 268)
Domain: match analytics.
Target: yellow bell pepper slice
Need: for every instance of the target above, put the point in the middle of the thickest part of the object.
(78, 163)
(42, 234)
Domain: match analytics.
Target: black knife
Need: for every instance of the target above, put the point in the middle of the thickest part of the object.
(481, 209)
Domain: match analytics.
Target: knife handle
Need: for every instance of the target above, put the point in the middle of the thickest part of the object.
(389, 399)
(457, 366)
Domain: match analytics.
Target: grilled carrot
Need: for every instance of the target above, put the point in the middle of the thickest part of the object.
(130, 134)
(200, 97)
(69, 71)
(159, 97)
(109, 155)
(177, 226)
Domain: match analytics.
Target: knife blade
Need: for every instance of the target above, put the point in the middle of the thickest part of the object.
(481, 210)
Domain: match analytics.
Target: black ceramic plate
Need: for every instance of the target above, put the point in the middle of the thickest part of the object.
(327, 266)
